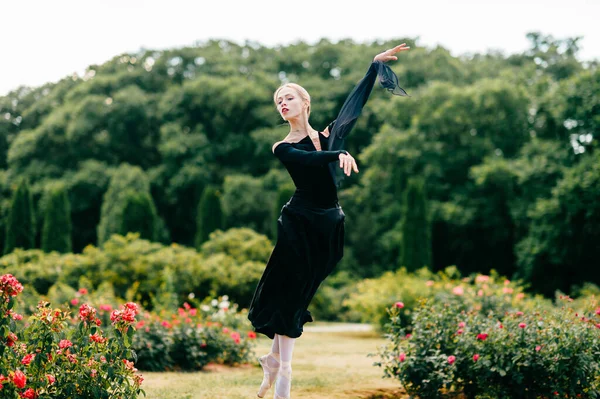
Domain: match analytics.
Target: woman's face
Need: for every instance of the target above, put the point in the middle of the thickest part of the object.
(289, 104)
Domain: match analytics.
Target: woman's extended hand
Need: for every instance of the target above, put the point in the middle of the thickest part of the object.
(348, 163)
(388, 55)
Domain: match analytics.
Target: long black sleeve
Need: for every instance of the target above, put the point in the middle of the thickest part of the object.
(352, 107)
(287, 153)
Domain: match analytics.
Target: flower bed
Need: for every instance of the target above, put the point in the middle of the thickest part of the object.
(53, 355)
(214, 332)
(491, 351)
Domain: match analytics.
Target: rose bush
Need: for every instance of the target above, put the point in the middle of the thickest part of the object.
(494, 350)
(214, 332)
(370, 298)
(52, 354)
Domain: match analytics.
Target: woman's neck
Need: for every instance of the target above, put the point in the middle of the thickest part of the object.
(301, 129)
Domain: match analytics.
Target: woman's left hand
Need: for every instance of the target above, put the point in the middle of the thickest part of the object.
(348, 163)
(388, 55)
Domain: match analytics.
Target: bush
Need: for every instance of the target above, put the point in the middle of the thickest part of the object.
(55, 355)
(454, 349)
(193, 337)
(372, 297)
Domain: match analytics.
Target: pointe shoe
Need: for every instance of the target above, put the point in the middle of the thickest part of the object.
(270, 374)
(284, 372)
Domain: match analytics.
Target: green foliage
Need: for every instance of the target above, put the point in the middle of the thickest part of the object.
(20, 226)
(494, 353)
(369, 299)
(241, 244)
(56, 231)
(543, 259)
(194, 337)
(209, 216)
(139, 215)
(54, 352)
(492, 135)
(244, 203)
(416, 228)
(125, 178)
(128, 267)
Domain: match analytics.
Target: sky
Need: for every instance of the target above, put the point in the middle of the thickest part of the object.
(45, 41)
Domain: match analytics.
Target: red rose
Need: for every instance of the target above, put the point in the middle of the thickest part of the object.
(482, 336)
(402, 357)
(11, 339)
(399, 305)
(451, 359)
(19, 379)
(475, 357)
(251, 334)
(29, 394)
(522, 325)
(27, 359)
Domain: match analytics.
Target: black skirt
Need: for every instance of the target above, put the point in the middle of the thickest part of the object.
(310, 242)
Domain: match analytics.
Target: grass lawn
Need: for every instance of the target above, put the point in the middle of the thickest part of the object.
(328, 365)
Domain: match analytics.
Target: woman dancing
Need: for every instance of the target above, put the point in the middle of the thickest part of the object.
(310, 230)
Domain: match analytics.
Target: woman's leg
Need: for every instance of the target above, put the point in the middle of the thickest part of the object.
(286, 349)
(270, 365)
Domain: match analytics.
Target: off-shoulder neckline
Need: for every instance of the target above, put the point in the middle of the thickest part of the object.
(304, 138)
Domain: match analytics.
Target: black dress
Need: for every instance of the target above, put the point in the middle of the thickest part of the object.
(310, 230)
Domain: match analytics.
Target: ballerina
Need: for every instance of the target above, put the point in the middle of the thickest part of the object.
(310, 229)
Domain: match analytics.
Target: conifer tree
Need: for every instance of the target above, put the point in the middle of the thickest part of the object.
(139, 215)
(20, 224)
(57, 227)
(416, 227)
(124, 179)
(209, 216)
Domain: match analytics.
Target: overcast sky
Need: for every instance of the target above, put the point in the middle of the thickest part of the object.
(46, 40)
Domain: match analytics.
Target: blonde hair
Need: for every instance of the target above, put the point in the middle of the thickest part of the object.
(301, 92)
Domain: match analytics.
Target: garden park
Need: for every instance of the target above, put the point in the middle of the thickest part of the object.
(138, 208)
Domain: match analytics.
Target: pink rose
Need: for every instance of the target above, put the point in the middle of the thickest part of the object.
(399, 305)
(64, 343)
(451, 359)
(402, 357)
(475, 357)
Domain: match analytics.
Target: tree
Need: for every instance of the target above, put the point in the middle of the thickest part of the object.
(416, 227)
(209, 216)
(561, 249)
(246, 203)
(124, 179)
(20, 226)
(139, 215)
(57, 229)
